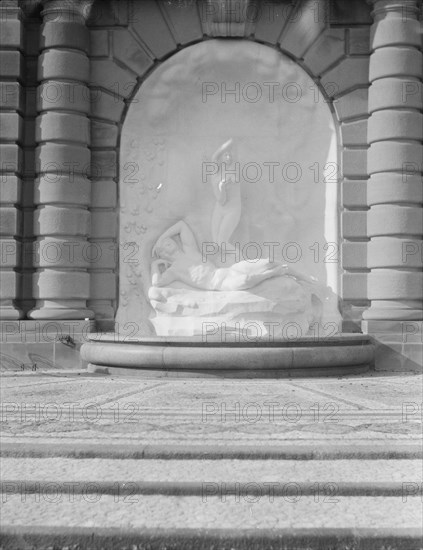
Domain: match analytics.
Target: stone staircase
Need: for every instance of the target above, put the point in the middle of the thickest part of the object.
(203, 503)
(154, 471)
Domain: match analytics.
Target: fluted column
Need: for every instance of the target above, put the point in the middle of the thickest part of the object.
(395, 283)
(62, 190)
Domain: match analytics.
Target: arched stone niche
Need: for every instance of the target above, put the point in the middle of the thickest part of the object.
(284, 163)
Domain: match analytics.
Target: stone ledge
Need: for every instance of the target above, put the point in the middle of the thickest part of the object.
(99, 538)
(83, 449)
(176, 357)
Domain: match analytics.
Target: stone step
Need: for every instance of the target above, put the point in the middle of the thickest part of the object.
(212, 477)
(97, 521)
(17, 447)
(226, 470)
(157, 503)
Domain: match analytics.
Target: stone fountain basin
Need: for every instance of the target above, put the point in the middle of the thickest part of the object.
(111, 353)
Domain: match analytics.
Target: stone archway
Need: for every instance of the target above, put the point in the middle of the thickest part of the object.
(123, 56)
(286, 149)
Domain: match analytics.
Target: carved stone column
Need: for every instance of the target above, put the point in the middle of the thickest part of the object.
(63, 158)
(11, 166)
(394, 192)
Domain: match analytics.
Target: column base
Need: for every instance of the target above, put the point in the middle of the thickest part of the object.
(58, 313)
(375, 314)
(10, 312)
(391, 310)
(63, 309)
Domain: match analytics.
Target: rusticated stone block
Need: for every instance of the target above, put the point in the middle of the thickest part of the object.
(359, 41)
(9, 284)
(393, 252)
(354, 133)
(103, 224)
(11, 96)
(52, 220)
(395, 29)
(407, 331)
(102, 254)
(64, 34)
(10, 189)
(391, 284)
(11, 126)
(354, 286)
(354, 193)
(63, 253)
(394, 188)
(99, 43)
(11, 64)
(304, 27)
(388, 93)
(63, 96)
(10, 253)
(354, 162)
(103, 164)
(11, 157)
(11, 32)
(106, 106)
(390, 156)
(352, 105)
(270, 20)
(328, 49)
(395, 61)
(130, 52)
(395, 124)
(386, 219)
(58, 64)
(349, 73)
(10, 221)
(56, 126)
(104, 311)
(103, 134)
(185, 21)
(150, 26)
(354, 255)
(62, 189)
(102, 286)
(106, 74)
(63, 159)
(107, 14)
(61, 285)
(104, 194)
(354, 225)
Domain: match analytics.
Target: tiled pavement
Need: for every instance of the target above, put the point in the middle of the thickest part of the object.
(108, 462)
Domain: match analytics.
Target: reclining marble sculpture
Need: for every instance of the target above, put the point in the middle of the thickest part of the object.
(188, 290)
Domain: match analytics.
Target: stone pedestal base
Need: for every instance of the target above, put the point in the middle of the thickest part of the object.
(183, 357)
(398, 344)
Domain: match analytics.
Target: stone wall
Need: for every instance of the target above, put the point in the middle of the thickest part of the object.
(94, 56)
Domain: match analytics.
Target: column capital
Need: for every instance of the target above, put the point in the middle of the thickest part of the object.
(66, 11)
(407, 8)
(10, 9)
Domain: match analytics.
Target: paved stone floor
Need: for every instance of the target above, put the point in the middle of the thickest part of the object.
(76, 408)
(109, 462)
